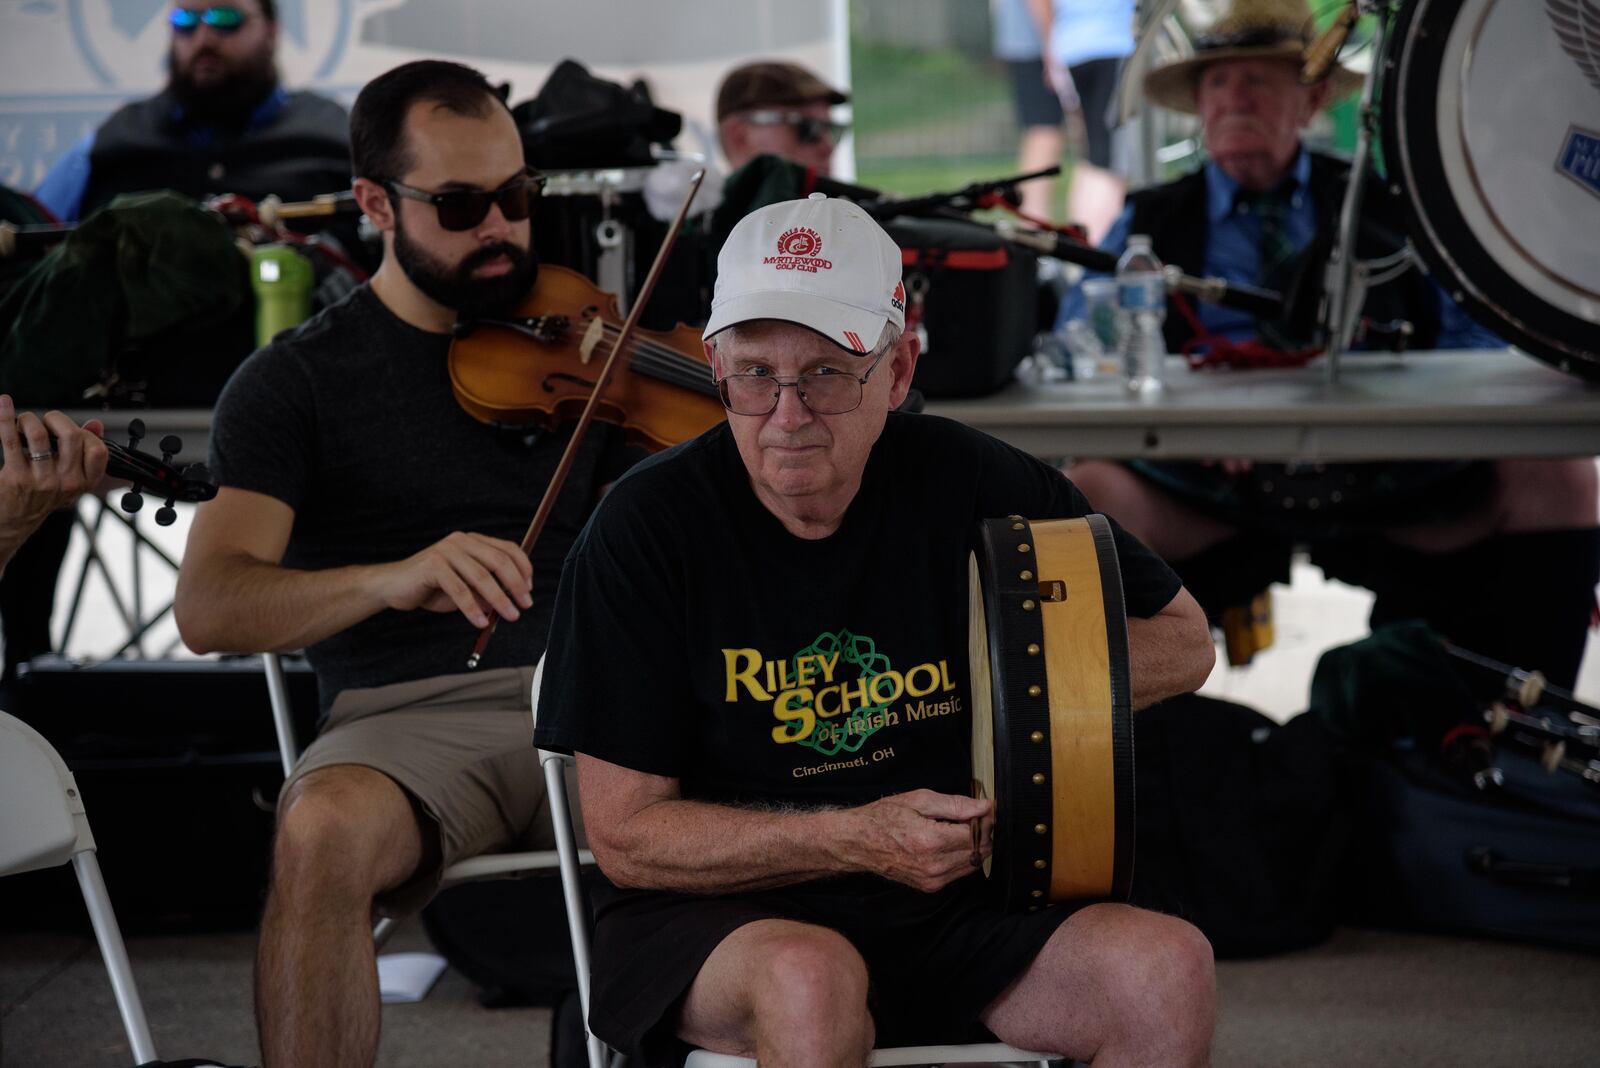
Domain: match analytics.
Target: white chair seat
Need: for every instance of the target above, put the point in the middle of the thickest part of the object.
(979, 1053)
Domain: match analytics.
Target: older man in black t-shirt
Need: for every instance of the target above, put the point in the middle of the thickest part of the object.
(365, 516)
(789, 863)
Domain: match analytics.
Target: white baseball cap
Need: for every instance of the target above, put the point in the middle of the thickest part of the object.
(822, 263)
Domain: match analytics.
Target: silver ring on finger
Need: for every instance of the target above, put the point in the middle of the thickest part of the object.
(41, 456)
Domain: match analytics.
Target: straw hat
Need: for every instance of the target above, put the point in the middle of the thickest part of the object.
(1251, 29)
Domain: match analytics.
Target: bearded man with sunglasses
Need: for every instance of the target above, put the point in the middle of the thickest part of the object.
(223, 124)
(787, 881)
(366, 517)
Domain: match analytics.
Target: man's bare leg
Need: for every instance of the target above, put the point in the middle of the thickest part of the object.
(1116, 986)
(1529, 495)
(786, 993)
(1171, 529)
(1095, 199)
(1040, 147)
(345, 833)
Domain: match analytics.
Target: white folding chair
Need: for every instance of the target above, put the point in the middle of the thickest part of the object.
(602, 1056)
(487, 866)
(43, 825)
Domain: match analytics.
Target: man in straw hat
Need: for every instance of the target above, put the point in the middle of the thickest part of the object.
(1262, 208)
(788, 865)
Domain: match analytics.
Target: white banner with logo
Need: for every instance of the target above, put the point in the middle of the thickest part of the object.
(66, 64)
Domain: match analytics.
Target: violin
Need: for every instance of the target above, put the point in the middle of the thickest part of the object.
(539, 366)
(190, 482)
(523, 378)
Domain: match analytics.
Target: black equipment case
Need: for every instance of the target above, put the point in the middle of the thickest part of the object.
(1457, 828)
(179, 768)
(977, 298)
(1523, 862)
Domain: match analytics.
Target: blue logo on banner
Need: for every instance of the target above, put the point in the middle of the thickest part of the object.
(1580, 159)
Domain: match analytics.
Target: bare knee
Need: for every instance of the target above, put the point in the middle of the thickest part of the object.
(810, 998)
(1170, 528)
(344, 832)
(1162, 973)
(809, 971)
(1541, 494)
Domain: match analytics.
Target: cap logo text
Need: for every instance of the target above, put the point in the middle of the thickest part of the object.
(799, 249)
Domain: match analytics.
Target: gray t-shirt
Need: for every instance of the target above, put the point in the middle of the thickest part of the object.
(350, 420)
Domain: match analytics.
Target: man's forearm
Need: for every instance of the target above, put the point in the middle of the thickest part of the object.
(1167, 655)
(696, 847)
(241, 604)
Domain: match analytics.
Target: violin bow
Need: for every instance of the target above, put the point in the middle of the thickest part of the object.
(548, 503)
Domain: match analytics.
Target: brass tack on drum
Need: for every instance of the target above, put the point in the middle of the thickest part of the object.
(1028, 605)
(1039, 828)
(1038, 893)
(1035, 690)
(1033, 908)
(1024, 547)
(1013, 517)
(1033, 648)
(1039, 864)
(1036, 736)
(1026, 576)
(1019, 526)
(1038, 778)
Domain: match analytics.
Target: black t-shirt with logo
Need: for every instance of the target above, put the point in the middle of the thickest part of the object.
(695, 638)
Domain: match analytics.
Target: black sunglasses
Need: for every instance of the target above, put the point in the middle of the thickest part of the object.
(808, 129)
(462, 209)
(224, 20)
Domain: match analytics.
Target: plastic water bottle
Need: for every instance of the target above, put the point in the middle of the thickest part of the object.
(1142, 308)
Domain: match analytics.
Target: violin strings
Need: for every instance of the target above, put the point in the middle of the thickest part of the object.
(665, 363)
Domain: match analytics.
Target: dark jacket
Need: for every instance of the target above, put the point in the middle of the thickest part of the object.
(1175, 216)
(300, 151)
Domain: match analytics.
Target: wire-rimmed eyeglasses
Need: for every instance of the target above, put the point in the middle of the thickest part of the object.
(826, 391)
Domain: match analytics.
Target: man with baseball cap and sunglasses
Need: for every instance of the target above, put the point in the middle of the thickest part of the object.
(778, 109)
(787, 853)
(364, 516)
(223, 124)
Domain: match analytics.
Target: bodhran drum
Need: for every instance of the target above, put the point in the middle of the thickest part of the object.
(1491, 124)
(1052, 723)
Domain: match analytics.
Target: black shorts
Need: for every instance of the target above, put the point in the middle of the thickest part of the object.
(1036, 103)
(934, 961)
(1096, 82)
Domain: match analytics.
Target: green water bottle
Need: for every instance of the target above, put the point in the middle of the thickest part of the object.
(281, 278)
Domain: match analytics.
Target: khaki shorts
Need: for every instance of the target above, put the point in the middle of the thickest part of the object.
(461, 746)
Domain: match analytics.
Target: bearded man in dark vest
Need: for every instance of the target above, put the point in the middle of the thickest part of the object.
(223, 124)
(1500, 556)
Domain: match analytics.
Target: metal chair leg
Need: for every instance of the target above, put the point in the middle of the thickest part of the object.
(115, 955)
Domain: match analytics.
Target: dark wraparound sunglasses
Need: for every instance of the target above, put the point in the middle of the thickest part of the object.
(186, 20)
(808, 129)
(462, 209)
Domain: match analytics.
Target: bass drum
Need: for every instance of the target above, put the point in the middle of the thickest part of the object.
(1491, 125)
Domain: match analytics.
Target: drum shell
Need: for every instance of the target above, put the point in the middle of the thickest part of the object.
(1058, 698)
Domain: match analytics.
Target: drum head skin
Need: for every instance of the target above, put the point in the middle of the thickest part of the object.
(1492, 135)
(1052, 727)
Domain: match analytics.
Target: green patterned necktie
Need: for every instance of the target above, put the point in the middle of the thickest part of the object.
(1271, 210)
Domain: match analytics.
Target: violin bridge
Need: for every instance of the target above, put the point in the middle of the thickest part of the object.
(591, 339)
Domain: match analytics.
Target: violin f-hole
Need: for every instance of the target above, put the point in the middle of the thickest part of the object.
(562, 376)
